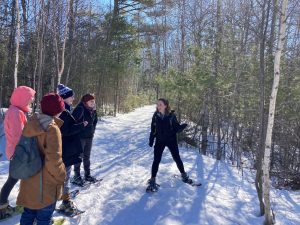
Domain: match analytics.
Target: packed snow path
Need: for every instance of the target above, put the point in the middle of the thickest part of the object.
(122, 157)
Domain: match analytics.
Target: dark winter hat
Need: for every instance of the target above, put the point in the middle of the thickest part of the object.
(52, 104)
(87, 97)
(64, 91)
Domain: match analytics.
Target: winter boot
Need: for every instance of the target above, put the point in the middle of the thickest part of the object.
(152, 185)
(67, 207)
(89, 178)
(78, 181)
(185, 178)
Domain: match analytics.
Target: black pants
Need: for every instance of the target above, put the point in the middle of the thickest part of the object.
(87, 148)
(6, 189)
(158, 151)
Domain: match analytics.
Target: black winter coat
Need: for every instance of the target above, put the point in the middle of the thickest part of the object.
(164, 128)
(71, 145)
(81, 113)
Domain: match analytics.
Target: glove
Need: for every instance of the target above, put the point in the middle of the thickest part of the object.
(151, 142)
(182, 127)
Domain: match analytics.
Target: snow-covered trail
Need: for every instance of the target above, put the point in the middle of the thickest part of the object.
(122, 157)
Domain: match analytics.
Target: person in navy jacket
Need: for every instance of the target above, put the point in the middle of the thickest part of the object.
(86, 111)
(71, 145)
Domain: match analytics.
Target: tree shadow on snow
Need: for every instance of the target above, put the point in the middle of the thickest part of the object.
(174, 205)
(198, 205)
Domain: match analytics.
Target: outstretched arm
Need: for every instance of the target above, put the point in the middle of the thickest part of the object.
(177, 126)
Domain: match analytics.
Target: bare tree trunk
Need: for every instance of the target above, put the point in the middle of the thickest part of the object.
(116, 95)
(62, 66)
(216, 74)
(27, 74)
(261, 149)
(18, 37)
(111, 26)
(41, 49)
(268, 144)
(11, 40)
(71, 37)
(182, 66)
(205, 125)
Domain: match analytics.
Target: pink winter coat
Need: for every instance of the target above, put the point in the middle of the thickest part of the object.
(15, 118)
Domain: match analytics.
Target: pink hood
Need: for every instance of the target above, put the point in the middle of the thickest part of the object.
(21, 97)
(15, 118)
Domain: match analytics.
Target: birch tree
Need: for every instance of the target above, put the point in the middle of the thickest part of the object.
(18, 37)
(267, 156)
(61, 66)
(265, 11)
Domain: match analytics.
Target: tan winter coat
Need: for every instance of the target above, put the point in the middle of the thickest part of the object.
(44, 188)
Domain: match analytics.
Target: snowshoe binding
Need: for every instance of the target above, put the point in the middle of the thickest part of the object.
(73, 194)
(90, 179)
(186, 179)
(78, 181)
(69, 209)
(152, 186)
(7, 211)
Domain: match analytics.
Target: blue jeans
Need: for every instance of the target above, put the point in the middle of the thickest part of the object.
(41, 216)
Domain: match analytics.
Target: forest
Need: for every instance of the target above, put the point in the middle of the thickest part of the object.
(218, 62)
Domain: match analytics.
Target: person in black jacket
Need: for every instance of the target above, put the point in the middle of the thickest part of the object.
(85, 111)
(71, 145)
(164, 129)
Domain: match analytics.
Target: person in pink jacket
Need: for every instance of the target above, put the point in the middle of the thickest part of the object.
(14, 122)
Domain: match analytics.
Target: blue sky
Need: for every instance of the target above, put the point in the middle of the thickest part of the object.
(103, 1)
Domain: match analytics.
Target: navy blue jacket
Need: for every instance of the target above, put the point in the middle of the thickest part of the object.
(71, 145)
(81, 113)
(164, 128)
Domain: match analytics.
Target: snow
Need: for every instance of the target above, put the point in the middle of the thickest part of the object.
(122, 157)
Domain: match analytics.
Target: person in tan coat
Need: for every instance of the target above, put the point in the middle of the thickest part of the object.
(39, 193)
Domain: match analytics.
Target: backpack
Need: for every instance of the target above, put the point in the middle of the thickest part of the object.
(26, 160)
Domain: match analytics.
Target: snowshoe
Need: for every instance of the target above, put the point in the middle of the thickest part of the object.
(8, 211)
(186, 179)
(78, 181)
(88, 184)
(73, 194)
(69, 209)
(152, 186)
(89, 178)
